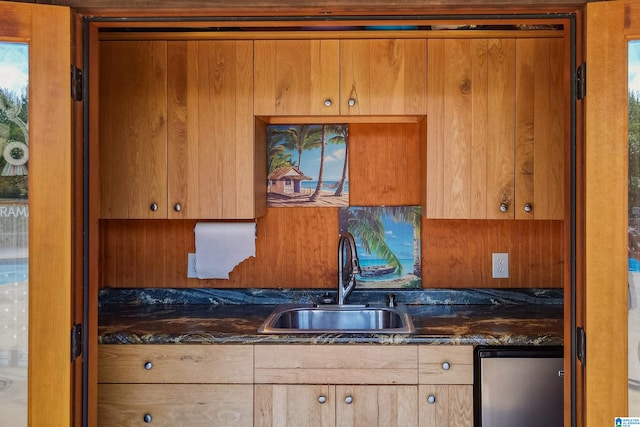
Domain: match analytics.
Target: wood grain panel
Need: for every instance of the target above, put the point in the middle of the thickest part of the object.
(500, 126)
(296, 77)
(453, 407)
(133, 129)
(457, 253)
(539, 168)
(385, 76)
(287, 405)
(384, 164)
(195, 364)
(176, 404)
(297, 248)
(210, 147)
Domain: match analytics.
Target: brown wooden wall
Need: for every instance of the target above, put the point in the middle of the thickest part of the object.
(297, 247)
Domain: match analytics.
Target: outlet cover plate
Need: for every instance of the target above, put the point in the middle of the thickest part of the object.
(192, 273)
(500, 265)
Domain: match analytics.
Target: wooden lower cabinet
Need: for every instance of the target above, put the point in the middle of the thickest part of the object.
(175, 385)
(175, 405)
(339, 406)
(286, 385)
(445, 405)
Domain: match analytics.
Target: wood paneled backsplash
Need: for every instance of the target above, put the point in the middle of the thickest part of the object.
(297, 247)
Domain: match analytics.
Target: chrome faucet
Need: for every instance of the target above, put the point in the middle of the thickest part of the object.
(348, 266)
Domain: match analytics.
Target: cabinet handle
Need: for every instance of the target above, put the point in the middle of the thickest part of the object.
(147, 418)
(528, 207)
(148, 366)
(153, 207)
(348, 400)
(351, 102)
(327, 103)
(504, 207)
(177, 207)
(446, 366)
(431, 399)
(322, 399)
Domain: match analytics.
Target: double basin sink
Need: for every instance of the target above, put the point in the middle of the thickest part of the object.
(330, 318)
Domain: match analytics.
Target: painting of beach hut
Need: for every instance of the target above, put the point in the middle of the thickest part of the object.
(308, 165)
(388, 244)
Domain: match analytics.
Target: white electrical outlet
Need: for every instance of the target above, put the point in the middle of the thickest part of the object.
(191, 266)
(500, 265)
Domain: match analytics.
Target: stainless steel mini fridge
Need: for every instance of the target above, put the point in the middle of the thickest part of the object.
(519, 386)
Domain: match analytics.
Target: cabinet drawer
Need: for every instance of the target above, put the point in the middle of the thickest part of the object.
(445, 364)
(336, 364)
(175, 404)
(172, 363)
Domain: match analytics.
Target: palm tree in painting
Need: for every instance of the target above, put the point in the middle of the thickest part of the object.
(298, 138)
(367, 225)
(277, 155)
(340, 136)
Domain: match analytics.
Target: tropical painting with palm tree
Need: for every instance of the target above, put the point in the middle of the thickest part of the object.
(388, 244)
(308, 165)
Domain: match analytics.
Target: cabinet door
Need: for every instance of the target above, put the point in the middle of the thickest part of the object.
(446, 405)
(175, 405)
(280, 405)
(370, 405)
(540, 118)
(383, 77)
(471, 88)
(133, 129)
(211, 161)
(296, 77)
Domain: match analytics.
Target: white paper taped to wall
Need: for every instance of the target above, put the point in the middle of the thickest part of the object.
(220, 246)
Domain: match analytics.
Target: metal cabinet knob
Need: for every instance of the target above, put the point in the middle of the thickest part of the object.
(153, 207)
(528, 207)
(504, 207)
(348, 400)
(446, 366)
(327, 102)
(431, 399)
(177, 207)
(148, 365)
(322, 399)
(351, 102)
(147, 418)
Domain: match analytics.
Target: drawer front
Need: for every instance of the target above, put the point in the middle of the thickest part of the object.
(171, 363)
(175, 405)
(336, 364)
(445, 364)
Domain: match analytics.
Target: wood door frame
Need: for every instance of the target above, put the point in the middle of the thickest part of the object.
(602, 307)
(47, 30)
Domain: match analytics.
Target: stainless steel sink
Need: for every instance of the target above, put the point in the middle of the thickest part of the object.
(307, 318)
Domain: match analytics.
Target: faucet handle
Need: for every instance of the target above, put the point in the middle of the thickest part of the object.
(391, 300)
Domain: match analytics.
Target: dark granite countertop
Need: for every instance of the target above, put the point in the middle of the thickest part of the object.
(490, 318)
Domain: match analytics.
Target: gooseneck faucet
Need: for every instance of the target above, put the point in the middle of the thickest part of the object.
(348, 266)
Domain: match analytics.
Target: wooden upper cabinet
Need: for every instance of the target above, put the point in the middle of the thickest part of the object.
(495, 144)
(133, 129)
(346, 77)
(540, 129)
(383, 77)
(212, 159)
(177, 131)
(296, 77)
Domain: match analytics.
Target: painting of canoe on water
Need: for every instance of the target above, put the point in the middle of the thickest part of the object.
(308, 165)
(388, 244)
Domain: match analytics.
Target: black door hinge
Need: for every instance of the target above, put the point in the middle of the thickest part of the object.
(581, 81)
(76, 83)
(581, 346)
(76, 341)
